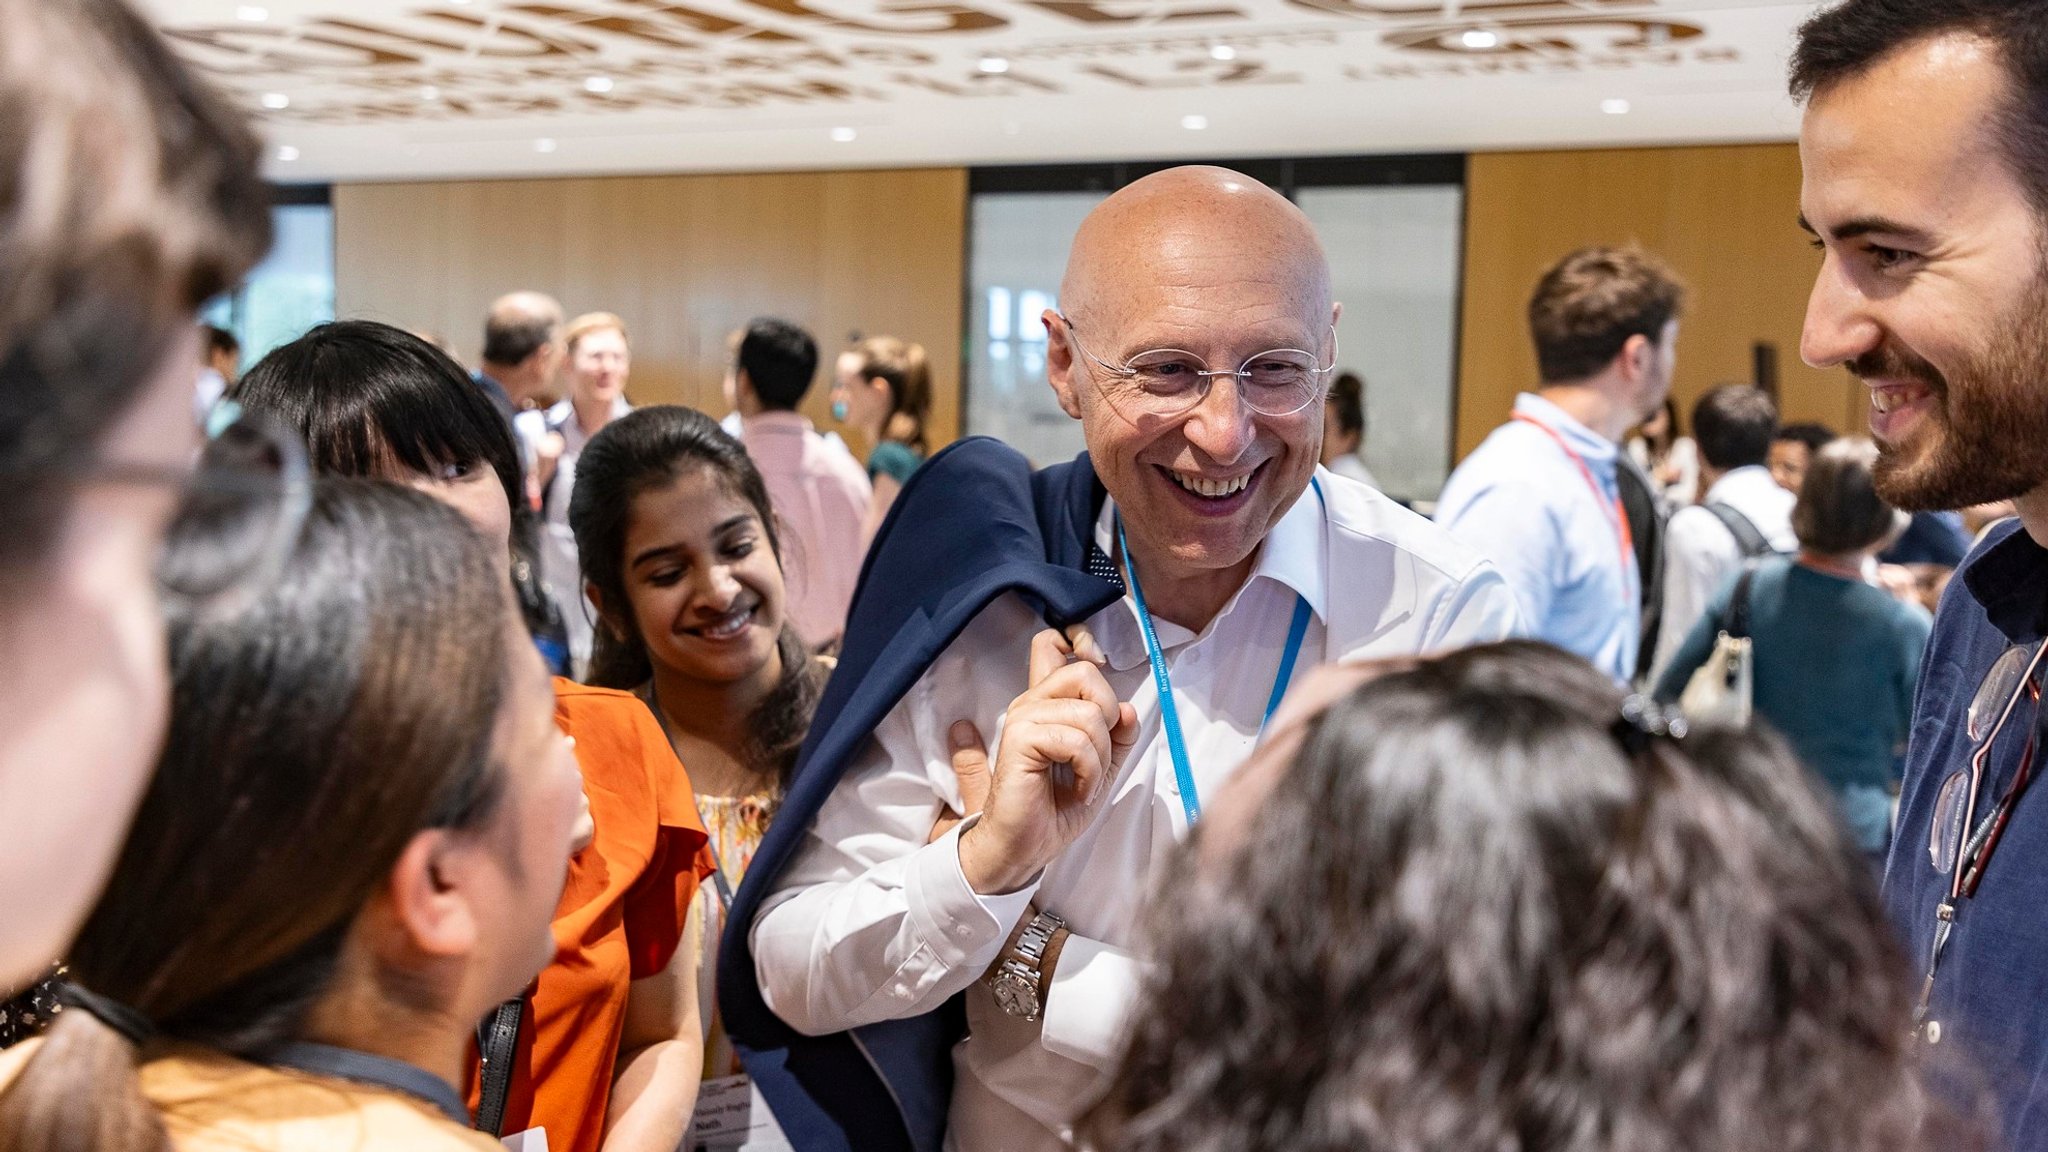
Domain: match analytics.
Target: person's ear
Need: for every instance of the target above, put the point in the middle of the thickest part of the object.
(434, 895)
(1059, 362)
(1638, 358)
(743, 387)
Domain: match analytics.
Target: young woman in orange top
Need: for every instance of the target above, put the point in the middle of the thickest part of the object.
(679, 552)
(610, 1052)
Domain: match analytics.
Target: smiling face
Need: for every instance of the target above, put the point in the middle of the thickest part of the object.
(598, 364)
(1931, 289)
(1216, 265)
(704, 586)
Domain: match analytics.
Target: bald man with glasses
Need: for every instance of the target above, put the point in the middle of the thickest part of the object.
(1119, 629)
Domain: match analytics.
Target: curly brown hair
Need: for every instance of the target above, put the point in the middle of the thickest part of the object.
(1469, 918)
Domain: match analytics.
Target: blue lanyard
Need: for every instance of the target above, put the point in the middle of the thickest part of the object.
(1169, 713)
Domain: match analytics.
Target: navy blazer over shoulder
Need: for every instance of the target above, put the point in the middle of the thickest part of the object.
(972, 524)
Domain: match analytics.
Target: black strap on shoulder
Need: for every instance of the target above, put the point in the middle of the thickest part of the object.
(375, 1071)
(498, 1039)
(1738, 603)
(1744, 530)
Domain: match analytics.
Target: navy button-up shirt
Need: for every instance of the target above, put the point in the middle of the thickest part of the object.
(1991, 991)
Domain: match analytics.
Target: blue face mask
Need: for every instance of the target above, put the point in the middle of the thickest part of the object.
(840, 410)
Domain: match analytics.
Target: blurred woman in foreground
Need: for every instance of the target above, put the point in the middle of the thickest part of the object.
(1481, 902)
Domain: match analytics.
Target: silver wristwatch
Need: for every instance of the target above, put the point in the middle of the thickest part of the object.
(1019, 981)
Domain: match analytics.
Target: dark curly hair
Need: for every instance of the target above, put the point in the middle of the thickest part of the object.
(1467, 918)
(640, 451)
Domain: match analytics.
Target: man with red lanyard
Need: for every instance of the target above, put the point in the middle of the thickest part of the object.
(1539, 497)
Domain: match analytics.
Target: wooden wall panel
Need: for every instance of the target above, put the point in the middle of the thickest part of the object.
(684, 259)
(1726, 219)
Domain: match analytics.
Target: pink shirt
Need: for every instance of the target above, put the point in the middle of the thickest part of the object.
(821, 496)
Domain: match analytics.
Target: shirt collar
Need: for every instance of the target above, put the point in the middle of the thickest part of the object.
(779, 420)
(1749, 477)
(1590, 445)
(2010, 579)
(1291, 555)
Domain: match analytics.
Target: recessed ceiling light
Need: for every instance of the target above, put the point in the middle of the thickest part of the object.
(287, 153)
(1614, 107)
(276, 101)
(429, 92)
(994, 65)
(252, 13)
(1479, 39)
(544, 144)
(1222, 52)
(1194, 123)
(598, 84)
(843, 135)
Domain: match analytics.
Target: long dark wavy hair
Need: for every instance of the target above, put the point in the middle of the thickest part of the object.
(642, 450)
(314, 731)
(1470, 918)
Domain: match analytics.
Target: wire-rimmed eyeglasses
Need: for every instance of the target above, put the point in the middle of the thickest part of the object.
(1167, 382)
(1959, 843)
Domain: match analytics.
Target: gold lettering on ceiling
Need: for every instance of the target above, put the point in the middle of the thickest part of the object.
(1195, 73)
(1480, 10)
(708, 24)
(534, 57)
(920, 19)
(978, 84)
(1548, 36)
(1117, 11)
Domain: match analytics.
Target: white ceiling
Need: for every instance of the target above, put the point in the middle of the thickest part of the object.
(403, 89)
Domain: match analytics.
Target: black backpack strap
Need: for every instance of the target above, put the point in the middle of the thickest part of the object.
(1747, 537)
(1738, 603)
(498, 1039)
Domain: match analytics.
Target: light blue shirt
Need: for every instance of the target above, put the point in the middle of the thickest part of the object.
(1521, 501)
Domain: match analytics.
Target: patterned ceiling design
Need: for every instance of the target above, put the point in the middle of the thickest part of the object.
(384, 89)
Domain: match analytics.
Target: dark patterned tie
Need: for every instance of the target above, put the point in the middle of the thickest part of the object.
(1101, 566)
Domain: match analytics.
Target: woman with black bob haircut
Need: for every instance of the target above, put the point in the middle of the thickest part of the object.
(608, 1052)
(356, 832)
(373, 400)
(1481, 902)
(680, 555)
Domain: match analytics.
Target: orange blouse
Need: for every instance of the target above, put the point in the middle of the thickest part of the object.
(621, 918)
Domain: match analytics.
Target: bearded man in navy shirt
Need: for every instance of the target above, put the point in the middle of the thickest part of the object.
(1925, 148)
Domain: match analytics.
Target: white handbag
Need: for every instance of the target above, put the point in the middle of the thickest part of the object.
(1722, 690)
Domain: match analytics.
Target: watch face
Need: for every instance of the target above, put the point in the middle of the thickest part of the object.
(1015, 995)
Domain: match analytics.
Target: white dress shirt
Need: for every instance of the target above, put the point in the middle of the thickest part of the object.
(1701, 554)
(870, 923)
